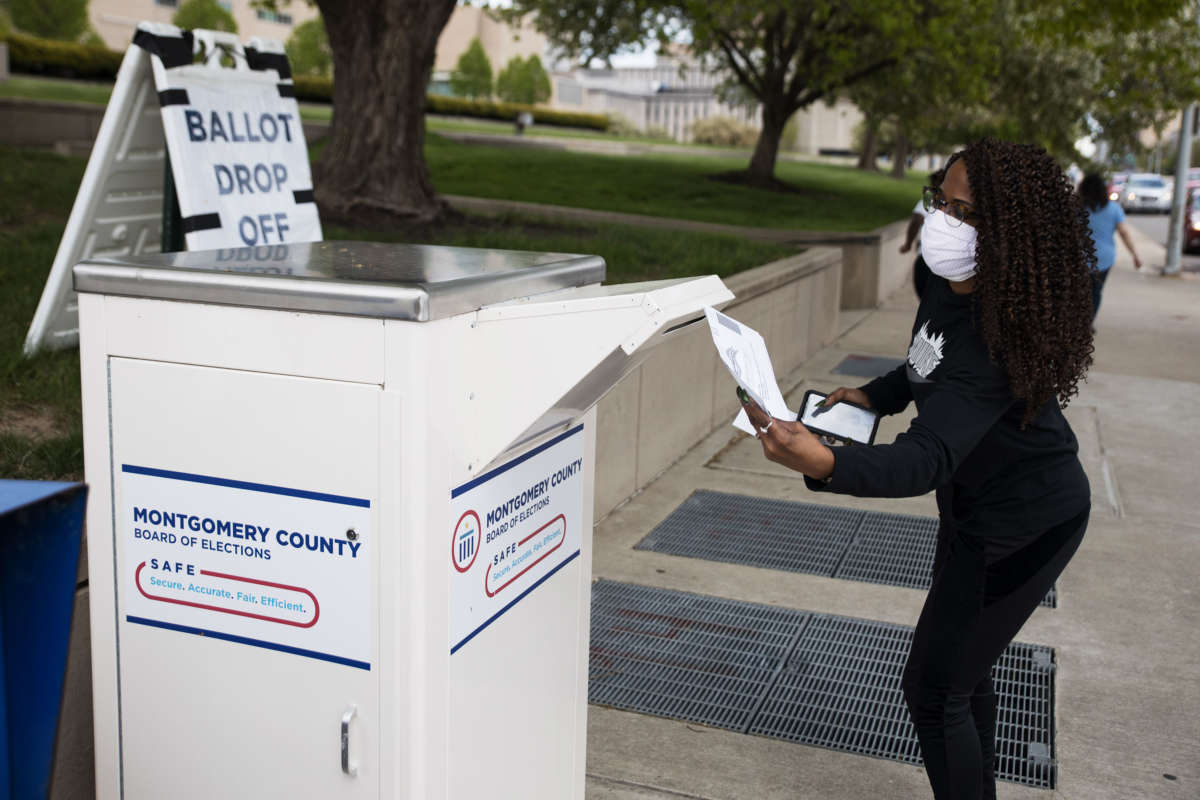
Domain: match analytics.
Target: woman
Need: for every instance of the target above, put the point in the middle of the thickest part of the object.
(1001, 338)
(1104, 218)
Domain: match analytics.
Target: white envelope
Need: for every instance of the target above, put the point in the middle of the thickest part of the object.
(744, 354)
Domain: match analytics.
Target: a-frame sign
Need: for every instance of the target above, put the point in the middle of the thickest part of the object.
(239, 173)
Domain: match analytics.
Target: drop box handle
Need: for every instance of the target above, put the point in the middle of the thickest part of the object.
(347, 718)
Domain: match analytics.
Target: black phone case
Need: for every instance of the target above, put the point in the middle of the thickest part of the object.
(838, 436)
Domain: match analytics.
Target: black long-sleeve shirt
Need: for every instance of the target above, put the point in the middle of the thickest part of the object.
(993, 480)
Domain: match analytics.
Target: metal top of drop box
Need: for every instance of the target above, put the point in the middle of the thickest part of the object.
(370, 279)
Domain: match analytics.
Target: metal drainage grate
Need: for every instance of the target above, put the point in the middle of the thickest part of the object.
(684, 656)
(841, 689)
(898, 550)
(892, 549)
(739, 529)
(867, 366)
(870, 546)
(812, 678)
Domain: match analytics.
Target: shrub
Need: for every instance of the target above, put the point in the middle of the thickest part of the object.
(312, 89)
(61, 59)
(308, 50)
(320, 90)
(472, 75)
(523, 81)
(484, 109)
(65, 20)
(619, 125)
(724, 131)
(205, 14)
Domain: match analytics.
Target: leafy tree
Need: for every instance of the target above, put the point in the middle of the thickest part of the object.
(523, 80)
(784, 53)
(51, 19)
(206, 14)
(1146, 75)
(472, 75)
(937, 67)
(308, 49)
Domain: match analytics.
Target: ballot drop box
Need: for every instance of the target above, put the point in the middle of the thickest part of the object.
(339, 538)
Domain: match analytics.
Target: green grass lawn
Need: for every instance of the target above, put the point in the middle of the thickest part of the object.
(826, 197)
(55, 89)
(40, 431)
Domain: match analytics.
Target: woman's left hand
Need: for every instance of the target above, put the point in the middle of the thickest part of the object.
(790, 443)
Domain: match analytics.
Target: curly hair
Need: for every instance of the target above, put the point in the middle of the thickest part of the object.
(1035, 260)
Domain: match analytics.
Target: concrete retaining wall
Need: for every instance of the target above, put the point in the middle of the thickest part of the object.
(683, 392)
(47, 123)
(874, 267)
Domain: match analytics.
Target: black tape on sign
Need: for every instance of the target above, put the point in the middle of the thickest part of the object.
(256, 59)
(287, 90)
(173, 97)
(201, 222)
(303, 195)
(172, 51)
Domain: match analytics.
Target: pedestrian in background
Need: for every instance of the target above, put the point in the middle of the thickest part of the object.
(1105, 217)
(1000, 342)
(919, 213)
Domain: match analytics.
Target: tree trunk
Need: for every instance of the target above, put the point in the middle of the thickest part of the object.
(374, 164)
(766, 150)
(900, 155)
(870, 145)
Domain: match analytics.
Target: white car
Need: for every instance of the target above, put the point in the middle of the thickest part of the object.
(1146, 192)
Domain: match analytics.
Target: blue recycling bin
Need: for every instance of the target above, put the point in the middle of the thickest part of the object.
(41, 524)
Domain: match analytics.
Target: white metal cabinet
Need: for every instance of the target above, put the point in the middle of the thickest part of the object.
(242, 716)
(436, 402)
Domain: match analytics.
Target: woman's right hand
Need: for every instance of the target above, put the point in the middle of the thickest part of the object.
(856, 396)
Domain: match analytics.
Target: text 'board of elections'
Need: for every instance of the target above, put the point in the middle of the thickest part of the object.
(269, 566)
(511, 529)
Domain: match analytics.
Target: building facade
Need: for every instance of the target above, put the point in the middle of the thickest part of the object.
(116, 20)
(677, 92)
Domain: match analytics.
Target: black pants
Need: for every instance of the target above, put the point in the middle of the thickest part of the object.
(1098, 279)
(974, 609)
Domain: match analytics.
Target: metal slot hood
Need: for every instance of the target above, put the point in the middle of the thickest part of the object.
(582, 343)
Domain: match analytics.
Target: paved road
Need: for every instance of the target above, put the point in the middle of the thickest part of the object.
(1155, 226)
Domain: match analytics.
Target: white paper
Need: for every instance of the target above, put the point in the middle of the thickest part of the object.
(744, 353)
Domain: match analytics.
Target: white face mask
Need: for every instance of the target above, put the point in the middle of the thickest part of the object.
(948, 249)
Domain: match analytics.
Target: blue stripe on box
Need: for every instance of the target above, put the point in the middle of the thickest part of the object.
(253, 487)
(466, 487)
(229, 637)
(514, 601)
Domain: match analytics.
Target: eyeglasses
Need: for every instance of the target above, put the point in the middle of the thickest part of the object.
(957, 212)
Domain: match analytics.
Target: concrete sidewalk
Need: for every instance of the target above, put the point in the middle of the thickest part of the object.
(1127, 686)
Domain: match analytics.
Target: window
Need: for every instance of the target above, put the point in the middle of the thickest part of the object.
(273, 16)
(1152, 182)
(226, 4)
(169, 3)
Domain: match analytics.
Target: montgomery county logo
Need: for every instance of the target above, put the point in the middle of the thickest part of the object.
(926, 351)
